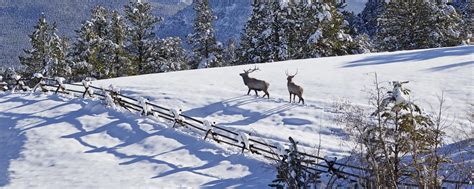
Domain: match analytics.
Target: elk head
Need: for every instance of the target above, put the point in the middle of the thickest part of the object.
(289, 77)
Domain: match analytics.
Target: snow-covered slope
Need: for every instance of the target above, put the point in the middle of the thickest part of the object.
(220, 95)
(56, 141)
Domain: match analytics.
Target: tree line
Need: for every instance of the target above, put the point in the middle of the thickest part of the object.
(113, 44)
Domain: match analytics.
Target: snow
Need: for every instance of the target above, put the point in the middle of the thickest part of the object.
(60, 142)
(315, 37)
(56, 142)
(38, 75)
(219, 95)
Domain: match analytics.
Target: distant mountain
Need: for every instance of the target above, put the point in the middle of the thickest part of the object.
(231, 18)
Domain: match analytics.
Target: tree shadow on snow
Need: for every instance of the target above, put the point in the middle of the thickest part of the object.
(450, 66)
(402, 57)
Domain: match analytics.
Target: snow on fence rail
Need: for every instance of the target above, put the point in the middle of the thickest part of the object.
(211, 131)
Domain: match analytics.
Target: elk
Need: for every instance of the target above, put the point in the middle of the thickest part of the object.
(294, 89)
(255, 84)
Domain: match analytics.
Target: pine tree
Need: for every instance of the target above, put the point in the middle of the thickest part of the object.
(141, 41)
(421, 24)
(92, 49)
(331, 36)
(118, 62)
(368, 17)
(36, 59)
(230, 56)
(171, 55)
(301, 24)
(261, 39)
(60, 64)
(203, 39)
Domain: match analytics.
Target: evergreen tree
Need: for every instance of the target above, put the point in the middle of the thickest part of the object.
(118, 62)
(331, 36)
(172, 56)
(141, 42)
(368, 17)
(60, 64)
(230, 53)
(301, 24)
(261, 39)
(420, 24)
(92, 49)
(36, 59)
(203, 39)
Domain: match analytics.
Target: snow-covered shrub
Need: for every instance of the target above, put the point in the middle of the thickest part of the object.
(292, 170)
(395, 138)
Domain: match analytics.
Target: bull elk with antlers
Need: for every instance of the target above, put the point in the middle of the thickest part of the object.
(255, 84)
(294, 89)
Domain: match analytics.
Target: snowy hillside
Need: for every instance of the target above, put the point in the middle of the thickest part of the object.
(59, 142)
(220, 95)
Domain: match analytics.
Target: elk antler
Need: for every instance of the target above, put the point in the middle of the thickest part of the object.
(252, 70)
(291, 75)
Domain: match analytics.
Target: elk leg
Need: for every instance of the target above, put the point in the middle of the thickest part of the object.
(249, 91)
(290, 97)
(256, 94)
(301, 100)
(266, 94)
(294, 97)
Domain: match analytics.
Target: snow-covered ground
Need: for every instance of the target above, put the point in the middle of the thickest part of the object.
(219, 94)
(58, 142)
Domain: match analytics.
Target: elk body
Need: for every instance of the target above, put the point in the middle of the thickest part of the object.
(294, 89)
(255, 84)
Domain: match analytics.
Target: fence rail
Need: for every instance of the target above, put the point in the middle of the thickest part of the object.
(226, 136)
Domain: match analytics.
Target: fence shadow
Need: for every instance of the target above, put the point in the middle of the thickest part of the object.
(11, 144)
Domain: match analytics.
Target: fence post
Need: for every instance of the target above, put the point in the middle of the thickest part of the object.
(87, 90)
(61, 86)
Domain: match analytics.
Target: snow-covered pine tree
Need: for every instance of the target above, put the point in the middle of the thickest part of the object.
(203, 38)
(416, 25)
(331, 36)
(368, 17)
(141, 41)
(37, 58)
(249, 42)
(450, 26)
(118, 62)
(261, 40)
(91, 48)
(301, 24)
(466, 8)
(171, 55)
(280, 30)
(230, 55)
(59, 63)
(292, 171)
